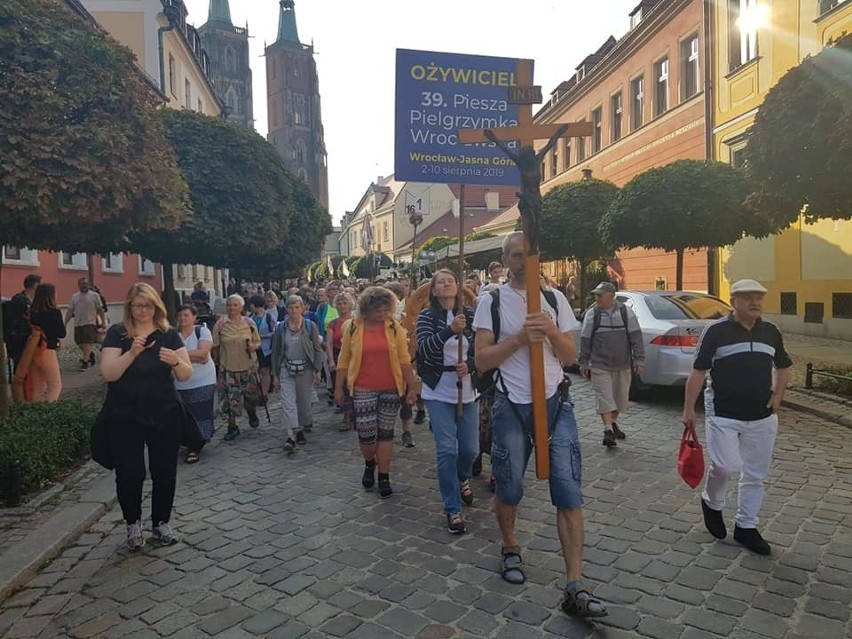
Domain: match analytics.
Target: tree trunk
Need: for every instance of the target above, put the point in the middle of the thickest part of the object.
(712, 253)
(169, 292)
(90, 267)
(679, 269)
(4, 364)
(581, 283)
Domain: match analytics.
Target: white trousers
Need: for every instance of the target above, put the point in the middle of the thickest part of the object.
(744, 447)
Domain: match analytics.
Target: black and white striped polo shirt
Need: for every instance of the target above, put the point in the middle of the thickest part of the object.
(740, 362)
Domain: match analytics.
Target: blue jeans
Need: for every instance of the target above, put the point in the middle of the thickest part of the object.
(513, 443)
(456, 446)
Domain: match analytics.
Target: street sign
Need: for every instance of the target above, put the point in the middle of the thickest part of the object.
(436, 95)
(417, 203)
(525, 95)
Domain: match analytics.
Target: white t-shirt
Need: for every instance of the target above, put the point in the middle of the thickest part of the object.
(84, 307)
(446, 390)
(202, 374)
(515, 370)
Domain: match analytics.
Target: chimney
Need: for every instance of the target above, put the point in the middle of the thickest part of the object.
(587, 174)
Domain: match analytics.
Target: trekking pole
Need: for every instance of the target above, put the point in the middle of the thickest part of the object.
(462, 356)
(260, 386)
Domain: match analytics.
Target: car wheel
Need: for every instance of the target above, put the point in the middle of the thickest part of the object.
(639, 390)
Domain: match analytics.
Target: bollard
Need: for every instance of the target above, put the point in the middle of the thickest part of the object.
(809, 376)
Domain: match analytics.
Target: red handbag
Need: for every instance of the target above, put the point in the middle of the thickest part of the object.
(690, 458)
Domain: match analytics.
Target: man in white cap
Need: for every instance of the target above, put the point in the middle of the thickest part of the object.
(611, 350)
(741, 405)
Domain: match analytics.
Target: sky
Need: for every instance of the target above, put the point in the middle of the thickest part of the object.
(356, 44)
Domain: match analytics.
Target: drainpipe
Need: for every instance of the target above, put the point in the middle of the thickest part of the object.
(169, 12)
(709, 123)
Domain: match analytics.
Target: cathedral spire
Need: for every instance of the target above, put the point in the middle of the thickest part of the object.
(219, 11)
(287, 31)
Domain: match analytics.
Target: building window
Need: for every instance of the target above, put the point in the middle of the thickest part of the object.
(73, 261)
(827, 5)
(636, 18)
(554, 158)
(299, 152)
(581, 149)
(616, 109)
(187, 89)
(230, 60)
(567, 161)
(195, 271)
(637, 102)
(581, 73)
(113, 263)
(738, 157)
(597, 135)
(745, 17)
(303, 175)
(689, 67)
(18, 255)
(172, 75)
(181, 270)
(788, 304)
(661, 87)
(200, 108)
(146, 266)
(385, 232)
(841, 305)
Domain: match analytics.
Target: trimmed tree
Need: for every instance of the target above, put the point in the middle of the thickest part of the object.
(570, 215)
(800, 147)
(688, 204)
(437, 242)
(242, 196)
(84, 159)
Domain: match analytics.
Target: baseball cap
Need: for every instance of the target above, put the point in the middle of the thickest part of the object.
(747, 286)
(604, 287)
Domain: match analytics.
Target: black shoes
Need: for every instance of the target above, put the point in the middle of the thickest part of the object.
(420, 417)
(300, 438)
(751, 539)
(609, 439)
(619, 434)
(92, 358)
(289, 446)
(713, 521)
(254, 422)
(385, 489)
(369, 478)
(232, 434)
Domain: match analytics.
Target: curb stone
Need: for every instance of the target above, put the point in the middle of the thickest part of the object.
(23, 560)
(838, 418)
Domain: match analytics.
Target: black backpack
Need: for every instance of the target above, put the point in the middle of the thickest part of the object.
(486, 381)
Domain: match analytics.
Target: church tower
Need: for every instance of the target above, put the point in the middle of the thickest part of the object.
(293, 101)
(230, 73)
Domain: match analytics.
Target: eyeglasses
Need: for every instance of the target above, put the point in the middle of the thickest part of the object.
(143, 307)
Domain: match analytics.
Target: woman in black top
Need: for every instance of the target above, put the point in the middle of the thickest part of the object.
(46, 378)
(138, 359)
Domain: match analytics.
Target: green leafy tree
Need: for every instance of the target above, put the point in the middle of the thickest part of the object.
(244, 200)
(571, 214)
(477, 235)
(437, 242)
(84, 158)
(800, 147)
(688, 204)
(363, 267)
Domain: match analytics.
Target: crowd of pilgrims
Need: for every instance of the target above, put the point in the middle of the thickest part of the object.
(349, 343)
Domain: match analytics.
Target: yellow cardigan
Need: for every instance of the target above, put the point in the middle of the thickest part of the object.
(352, 351)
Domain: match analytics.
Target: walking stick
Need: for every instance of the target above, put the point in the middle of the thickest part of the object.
(263, 396)
(460, 304)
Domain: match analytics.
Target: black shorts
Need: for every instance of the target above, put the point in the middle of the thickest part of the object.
(87, 334)
(263, 361)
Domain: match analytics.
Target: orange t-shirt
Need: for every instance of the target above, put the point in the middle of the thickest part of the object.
(375, 372)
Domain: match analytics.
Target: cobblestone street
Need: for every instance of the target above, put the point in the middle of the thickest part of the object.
(294, 547)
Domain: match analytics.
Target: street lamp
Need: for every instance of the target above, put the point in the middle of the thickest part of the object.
(415, 218)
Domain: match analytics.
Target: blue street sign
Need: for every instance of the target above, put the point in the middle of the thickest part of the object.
(436, 95)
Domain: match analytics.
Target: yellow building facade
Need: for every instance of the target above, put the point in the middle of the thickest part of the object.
(808, 267)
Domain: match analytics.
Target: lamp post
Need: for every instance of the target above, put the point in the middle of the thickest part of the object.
(415, 219)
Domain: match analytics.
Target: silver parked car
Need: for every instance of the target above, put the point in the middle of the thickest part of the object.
(671, 323)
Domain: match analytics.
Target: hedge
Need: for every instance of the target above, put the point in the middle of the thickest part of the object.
(40, 441)
(835, 386)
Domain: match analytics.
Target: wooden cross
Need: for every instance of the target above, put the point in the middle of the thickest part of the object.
(529, 165)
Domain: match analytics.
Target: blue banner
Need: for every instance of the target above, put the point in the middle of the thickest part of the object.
(436, 95)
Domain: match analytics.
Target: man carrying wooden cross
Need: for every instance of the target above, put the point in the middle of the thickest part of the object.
(512, 417)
